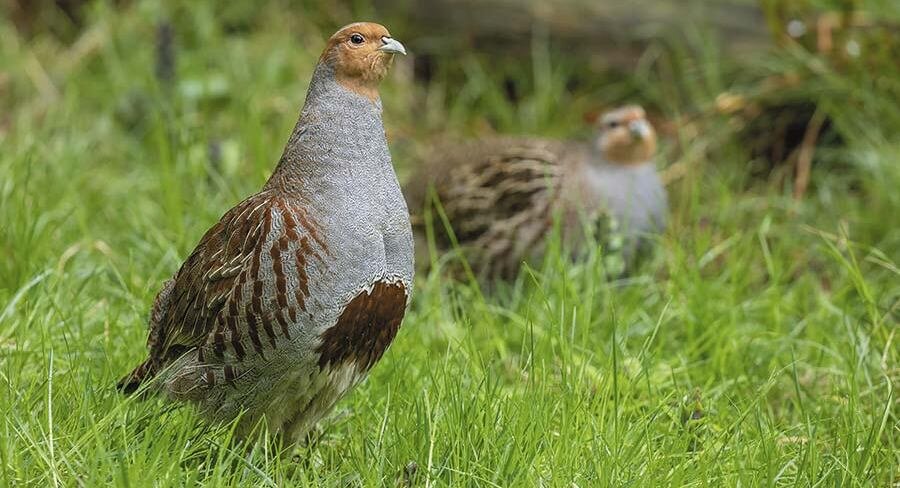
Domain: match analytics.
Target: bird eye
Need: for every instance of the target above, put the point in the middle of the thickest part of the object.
(612, 124)
(357, 39)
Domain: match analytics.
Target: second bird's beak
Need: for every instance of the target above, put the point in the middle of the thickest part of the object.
(639, 129)
(392, 46)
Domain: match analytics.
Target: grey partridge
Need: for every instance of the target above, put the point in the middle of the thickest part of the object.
(291, 298)
(501, 195)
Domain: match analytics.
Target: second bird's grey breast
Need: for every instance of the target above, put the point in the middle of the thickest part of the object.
(635, 195)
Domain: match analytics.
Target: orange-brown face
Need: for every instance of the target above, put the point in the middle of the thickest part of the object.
(626, 137)
(360, 55)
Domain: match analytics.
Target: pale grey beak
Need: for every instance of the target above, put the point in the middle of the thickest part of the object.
(392, 46)
(640, 129)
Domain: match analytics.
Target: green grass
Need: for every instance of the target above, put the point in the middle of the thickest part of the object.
(757, 347)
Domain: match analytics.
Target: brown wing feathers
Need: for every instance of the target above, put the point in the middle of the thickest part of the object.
(498, 195)
(223, 298)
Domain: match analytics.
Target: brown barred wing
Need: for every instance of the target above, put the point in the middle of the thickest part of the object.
(500, 205)
(244, 285)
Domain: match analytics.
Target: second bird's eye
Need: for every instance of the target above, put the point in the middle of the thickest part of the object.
(357, 39)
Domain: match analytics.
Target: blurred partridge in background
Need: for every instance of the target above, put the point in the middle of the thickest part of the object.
(291, 298)
(501, 195)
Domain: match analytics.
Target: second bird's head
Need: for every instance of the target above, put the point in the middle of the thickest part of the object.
(360, 55)
(625, 136)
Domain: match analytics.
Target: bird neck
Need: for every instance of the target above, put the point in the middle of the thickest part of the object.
(628, 166)
(339, 132)
(602, 160)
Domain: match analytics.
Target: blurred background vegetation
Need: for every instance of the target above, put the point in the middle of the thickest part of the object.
(779, 95)
(784, 82)
(128, 127)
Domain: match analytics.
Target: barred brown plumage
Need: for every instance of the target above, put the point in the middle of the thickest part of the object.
(293, 295)
(502, 194)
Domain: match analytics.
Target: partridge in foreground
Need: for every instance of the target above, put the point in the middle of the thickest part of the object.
(291, 298)
(500, 195)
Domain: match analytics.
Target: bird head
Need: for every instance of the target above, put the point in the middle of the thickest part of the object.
(360, 55)
(625, 136)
